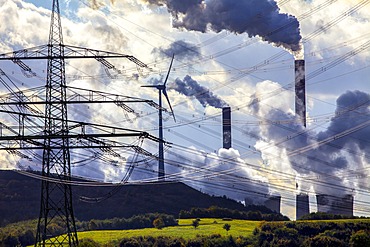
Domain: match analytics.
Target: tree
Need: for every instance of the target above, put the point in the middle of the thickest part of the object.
(158, 223)
(27, 238)
(360, 238)
(226, 227)
(92, 225)
(195, 223)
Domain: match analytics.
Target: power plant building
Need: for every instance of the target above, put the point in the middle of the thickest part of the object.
(302, 205)
(335, 205)
(273, 203)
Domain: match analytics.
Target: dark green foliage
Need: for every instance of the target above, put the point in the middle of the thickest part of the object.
(92, 225)
(158, 223)
(136, 222)
(27, 238)
(217, 212)
(152, 242)
(195, 223)
(325, 216)
(323, 241)
(87, 242)
(310, 234)
(10, 241)
(23, 233)
(226, 227)
(360, 238)
(215, 240)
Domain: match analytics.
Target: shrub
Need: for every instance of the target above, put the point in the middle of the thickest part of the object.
(226, 227)
(195, 223)
(87, 242)
(360, 238)
(322, 240)
(158, 223)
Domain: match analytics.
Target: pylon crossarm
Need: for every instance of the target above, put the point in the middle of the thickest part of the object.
(70, 52)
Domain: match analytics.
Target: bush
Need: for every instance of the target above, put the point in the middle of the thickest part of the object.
(158, 223)
(322, 240)
(87, 242)
(195, 223)
(27, 238)
(360, 238)
(226, 227)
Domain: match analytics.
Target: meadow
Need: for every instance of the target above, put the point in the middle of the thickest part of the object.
(184, 230)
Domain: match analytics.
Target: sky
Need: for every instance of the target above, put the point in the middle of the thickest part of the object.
(227, 53)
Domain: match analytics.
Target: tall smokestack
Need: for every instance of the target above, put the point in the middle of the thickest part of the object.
(300, 91)
(226, 127)
(302, 206)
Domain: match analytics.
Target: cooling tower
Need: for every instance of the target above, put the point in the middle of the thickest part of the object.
(300, 91)
(273, 203)
(226, 127)
(302, 206)
(335, 205)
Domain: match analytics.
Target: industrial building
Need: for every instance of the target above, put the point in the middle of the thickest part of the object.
(302, 205)
(335, 204)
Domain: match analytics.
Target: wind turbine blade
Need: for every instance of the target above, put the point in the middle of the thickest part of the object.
(168, 101)
(155, 86)
(169, 70)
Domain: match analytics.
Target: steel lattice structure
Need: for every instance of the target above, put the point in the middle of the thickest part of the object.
(59, 134)
(56, 199)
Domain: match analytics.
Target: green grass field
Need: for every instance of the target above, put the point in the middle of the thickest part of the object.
(184, 230)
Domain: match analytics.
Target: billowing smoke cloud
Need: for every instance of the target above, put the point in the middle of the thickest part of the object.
(182, 50)
(255, 17)
(341, 149)
(190, 87)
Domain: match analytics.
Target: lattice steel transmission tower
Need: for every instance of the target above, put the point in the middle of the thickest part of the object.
(56, 137)
(56, 198)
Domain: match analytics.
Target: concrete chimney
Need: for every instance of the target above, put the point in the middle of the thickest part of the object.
(302, 206)
(300, 91)
(226, 127)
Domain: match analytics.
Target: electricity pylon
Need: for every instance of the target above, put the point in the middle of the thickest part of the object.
(55, 139)
(162, 89)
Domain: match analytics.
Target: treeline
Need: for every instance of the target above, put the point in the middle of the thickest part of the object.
(326, 216)
(217, 212)
(312, 234)
(135, 222)
(23, 233)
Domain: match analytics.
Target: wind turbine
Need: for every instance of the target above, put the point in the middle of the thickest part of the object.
(162, 89)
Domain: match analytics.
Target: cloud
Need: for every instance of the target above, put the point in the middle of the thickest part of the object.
(324, 154)
(260, 18)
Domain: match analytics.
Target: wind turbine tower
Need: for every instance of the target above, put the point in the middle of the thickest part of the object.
(162, 89)
(56, 136)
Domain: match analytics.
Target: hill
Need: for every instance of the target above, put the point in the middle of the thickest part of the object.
(20, 199)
